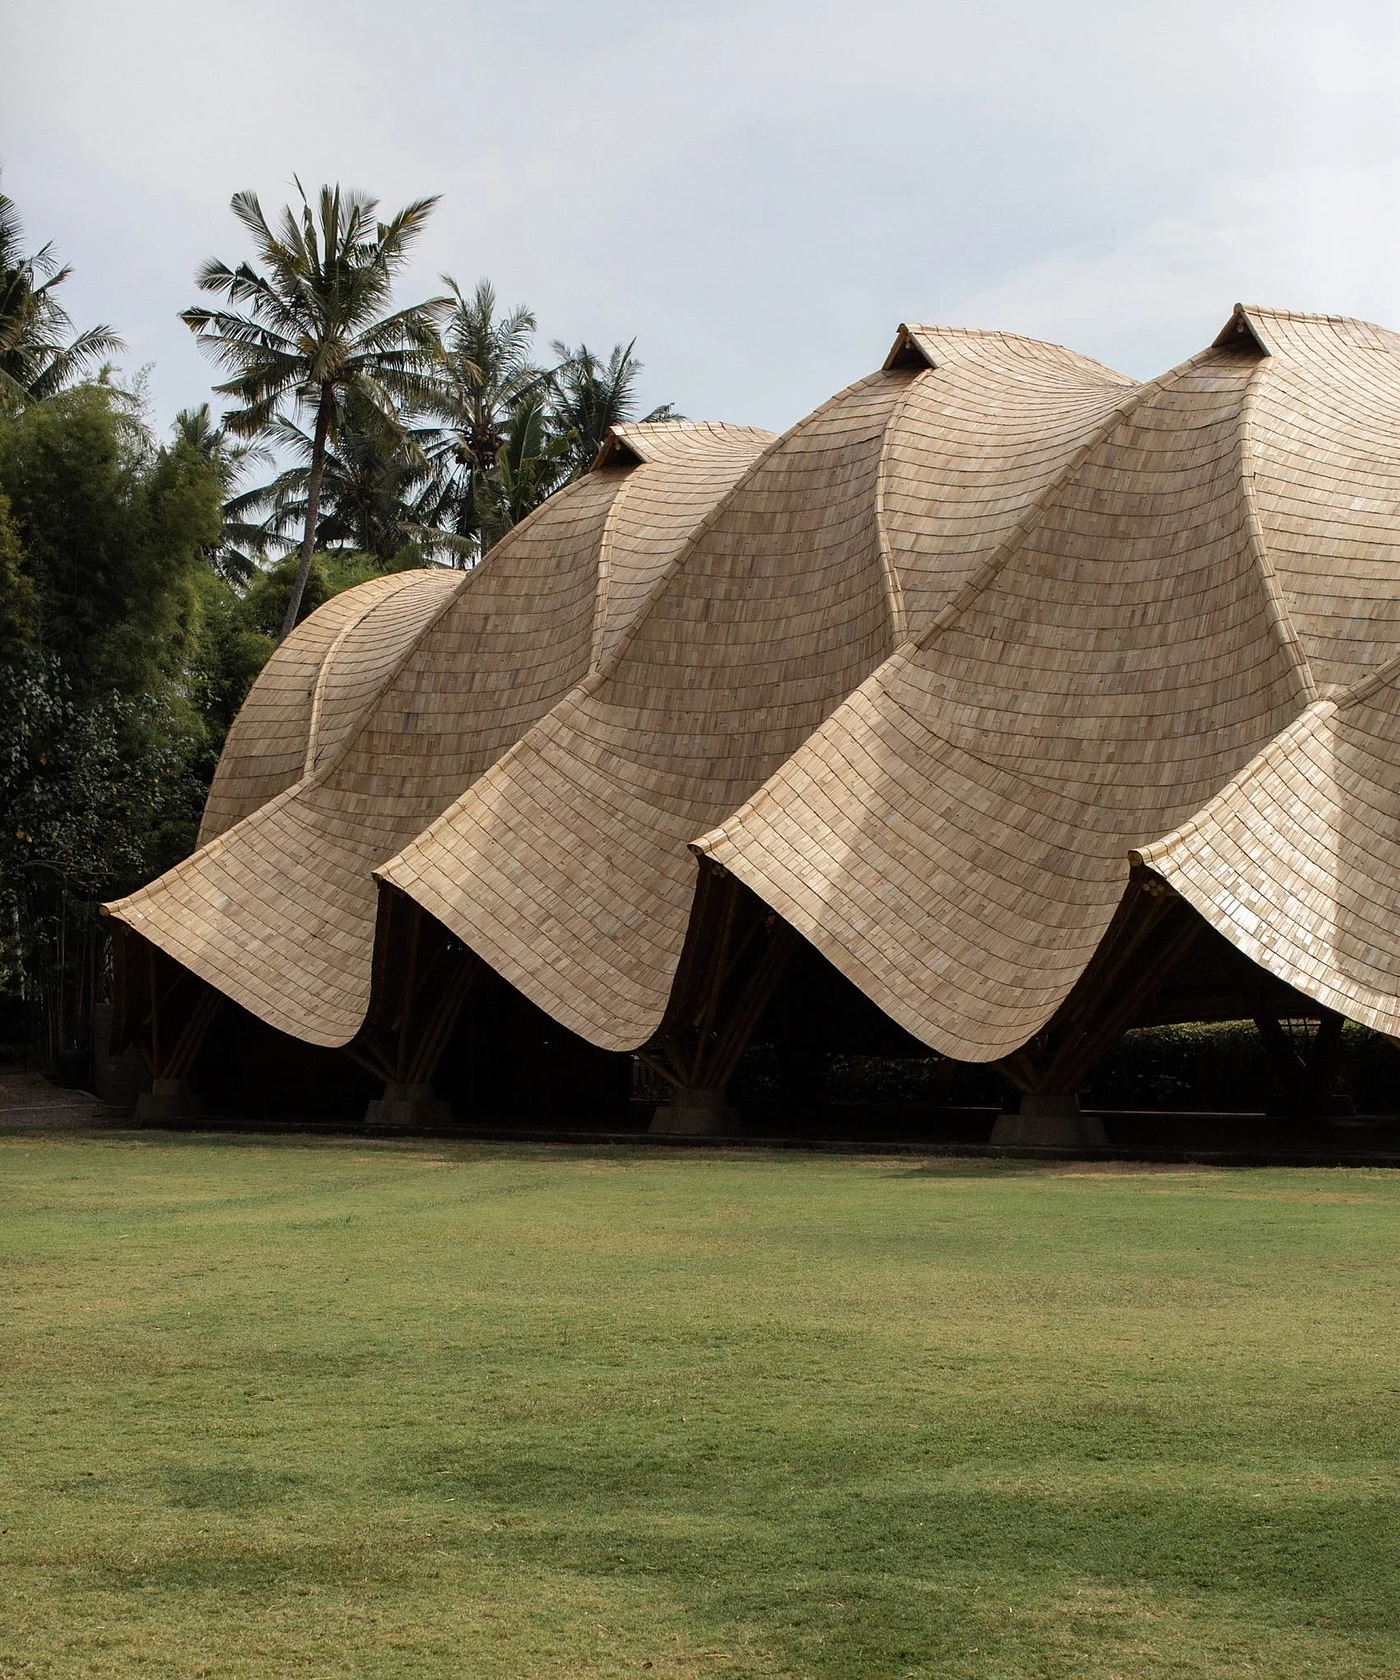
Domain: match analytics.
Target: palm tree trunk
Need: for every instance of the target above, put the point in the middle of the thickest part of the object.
(313, 510)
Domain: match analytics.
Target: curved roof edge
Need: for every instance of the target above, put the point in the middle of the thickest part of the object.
(1297, 861)
(293, 703)
(278, 911)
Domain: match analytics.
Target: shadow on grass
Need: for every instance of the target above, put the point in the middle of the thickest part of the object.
(232, 1488)
(829, 1552)
(836, 1586)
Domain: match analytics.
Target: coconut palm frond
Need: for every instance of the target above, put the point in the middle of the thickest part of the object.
(39, 353)
(310, 329)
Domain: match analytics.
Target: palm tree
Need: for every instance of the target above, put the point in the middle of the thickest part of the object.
(315, 326)
(490, 391)
(592, 396)
(234, 556)
(488, 368)
(530, 465)
(378, 489)
(35, 360)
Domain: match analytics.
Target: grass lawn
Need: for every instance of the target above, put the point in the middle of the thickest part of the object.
(304, 1408)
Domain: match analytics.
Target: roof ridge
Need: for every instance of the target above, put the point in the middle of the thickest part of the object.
(321, 772)
(1313, 315)
(1019, 533)
(1364, 687)
(1149, 854)
(391, 584)
(894, 585)
(1317, 315)
(603, 570)
(684, 422)
(610, 663)
(908, 331)
(1290, 644)
(620, 437)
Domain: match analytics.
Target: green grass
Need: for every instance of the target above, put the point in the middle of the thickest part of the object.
(315, 1409)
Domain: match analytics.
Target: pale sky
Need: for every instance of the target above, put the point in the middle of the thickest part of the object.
(759, 191)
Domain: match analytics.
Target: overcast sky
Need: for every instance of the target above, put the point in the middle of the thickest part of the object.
(759, 191)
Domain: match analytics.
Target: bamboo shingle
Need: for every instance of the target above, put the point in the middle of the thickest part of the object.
(567, 867)
(957, 837)
(1297, 861)
(397, 695)
(268, 746)
(929, 675)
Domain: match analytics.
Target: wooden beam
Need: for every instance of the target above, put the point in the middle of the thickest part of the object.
(424, 1059)
(719, 966)
(748, 1008)
(366, 1056)
(734, 956)
(410, 991)
(155, 1010)
(1304, 1072)
(658, 1066)
(192, 1035)
(1150, 935)
(1080, 1053)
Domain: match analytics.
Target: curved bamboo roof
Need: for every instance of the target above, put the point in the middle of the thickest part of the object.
(386, 703)
(567, 867)
(1297, 861)
(929, 674)
(316, 688)
(957, 837)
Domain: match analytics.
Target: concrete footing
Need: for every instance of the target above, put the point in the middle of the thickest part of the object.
(1050, 1122)
(694, 1112)
(169, 1099)
(406, 1106)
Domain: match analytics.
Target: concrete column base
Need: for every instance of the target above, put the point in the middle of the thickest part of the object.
(1050, 1122)
(693, 1112)
(404, 1107)
(169, 1099)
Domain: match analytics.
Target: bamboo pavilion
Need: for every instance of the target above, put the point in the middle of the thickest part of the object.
(1001, 705)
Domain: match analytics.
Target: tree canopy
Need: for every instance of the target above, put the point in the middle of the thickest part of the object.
(38, 357)
(145, 581)
(314, 326)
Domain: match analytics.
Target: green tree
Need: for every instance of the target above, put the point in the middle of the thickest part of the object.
(95, 796)
(489, 391)
(112, 533)
(38, 358)
(19, 614)
(263, 605)
(232, 647)
(235, 555)
(314, 322)
(110, 617)
(591, 396)
(531, 463)
(378, 489)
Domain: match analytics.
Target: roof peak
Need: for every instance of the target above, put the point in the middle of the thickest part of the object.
(1255, 320)
(1244, 329)
(626, 444)
(917, 345)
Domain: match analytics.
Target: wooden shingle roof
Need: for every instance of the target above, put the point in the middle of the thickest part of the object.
(928, 674)
(567, 867)
(396, 696)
